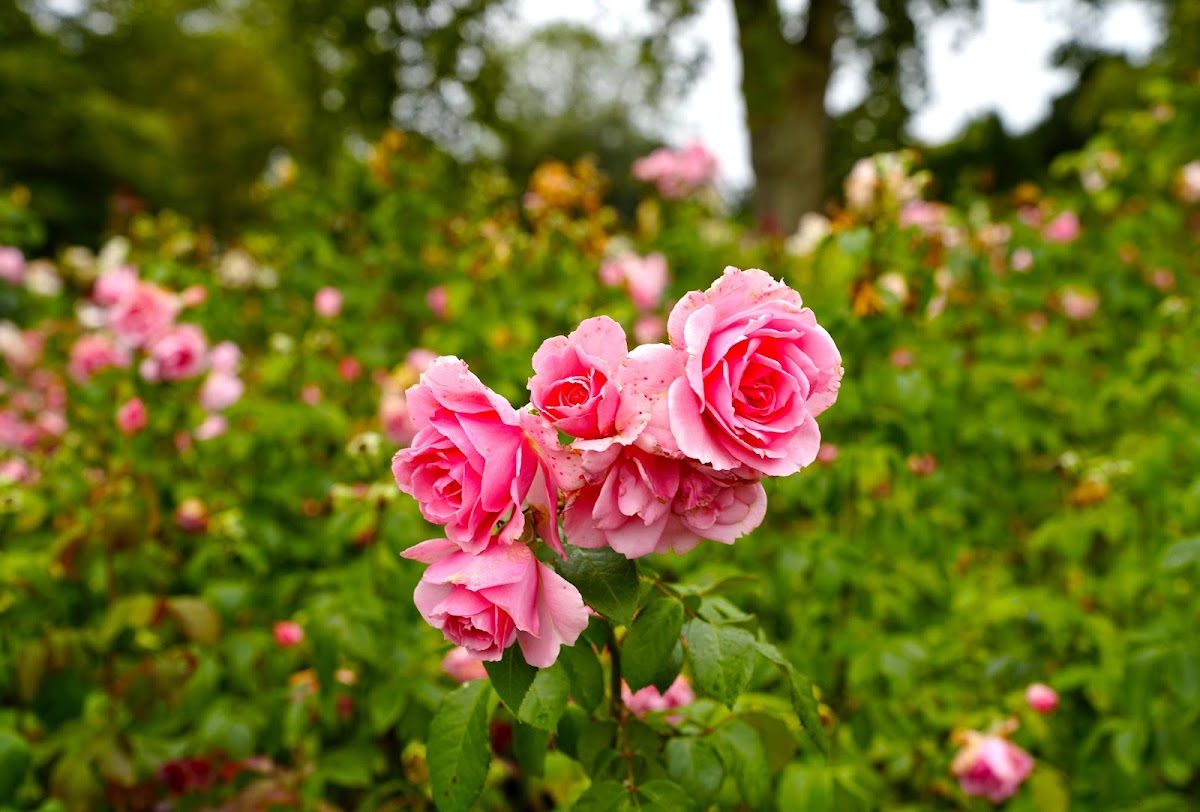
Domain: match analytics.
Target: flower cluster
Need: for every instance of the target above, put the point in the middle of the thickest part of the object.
(669, 443)
(677, 173)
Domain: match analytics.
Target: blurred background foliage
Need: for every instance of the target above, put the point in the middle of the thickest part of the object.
(113, 106)
(1014, 495)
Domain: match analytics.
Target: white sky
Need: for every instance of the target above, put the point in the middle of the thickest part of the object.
(998, 63)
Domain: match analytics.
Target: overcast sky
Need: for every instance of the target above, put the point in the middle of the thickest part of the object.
(998, 63)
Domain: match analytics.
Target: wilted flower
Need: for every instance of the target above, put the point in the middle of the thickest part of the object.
(191, 516)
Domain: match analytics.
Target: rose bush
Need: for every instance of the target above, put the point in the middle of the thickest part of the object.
(211, 609)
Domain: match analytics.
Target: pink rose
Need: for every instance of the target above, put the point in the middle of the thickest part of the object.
(1062, 229)
(649, 700)
(225, 357)
(328, 302)
(487, 600)
(12, 264)
(180, 353)
(288, 634)
(143, 313)
(759, 370)
(1022, 260)
(828, 453)
(677, 174)
(131, 417)
(21, 348)
(574, 384)
(220, 391)
(113, 286)
(472, 462)
(990, 766)
(94, 352)
(1041, 697)
(639, 503)
(462, 667)
(16, 470)
(211, 427)
(310, 394)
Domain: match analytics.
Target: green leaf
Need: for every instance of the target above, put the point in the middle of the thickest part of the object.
(695, 766)
(602, 796)
(385, 703)
(607, 580)
(662, 794)
(15, 759)
(529, 746)
(803, 699)
(745, 758)
(459, 750)
(536, 696)
(546, 698)
(807, 787)
(721, 659)
(511, 676)
(196, 619)
(1049, 790)
(585, 673)
(653, 633)
(348, 766)
(1180, 554)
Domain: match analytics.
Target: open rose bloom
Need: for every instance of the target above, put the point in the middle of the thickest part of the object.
(666, 446)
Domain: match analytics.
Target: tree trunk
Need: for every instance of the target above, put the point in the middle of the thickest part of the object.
(783, 85)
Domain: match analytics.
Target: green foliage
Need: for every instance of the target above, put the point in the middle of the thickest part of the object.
(1013, 499)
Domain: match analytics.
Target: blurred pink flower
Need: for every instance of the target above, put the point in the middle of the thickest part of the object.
(393, 415)
(901, 358)
(922, 214)
(990, 766)
(112, 286)
(1041, 697)
(649, 700)
(1079, 305)
(225, 357)
(1022, 260)
(220, 391)
(827, 453)
(131, 417)
(288, 634)
(462, 667)
(437, 299)
(191, 516)
(180, 353)
(1162, 279)
(1189, 182)
(310, 394)
(1062, 229)
(94, 352)
(144, 312)
(51, 423)
(12, 265)
(213, 426)
(19, 348)
(419, 359)
(677, 174)
(1036, 322)
(349, 369)
(15, 470)
(649, 329)
(193, 296)
(328, 302)
(922, 464)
